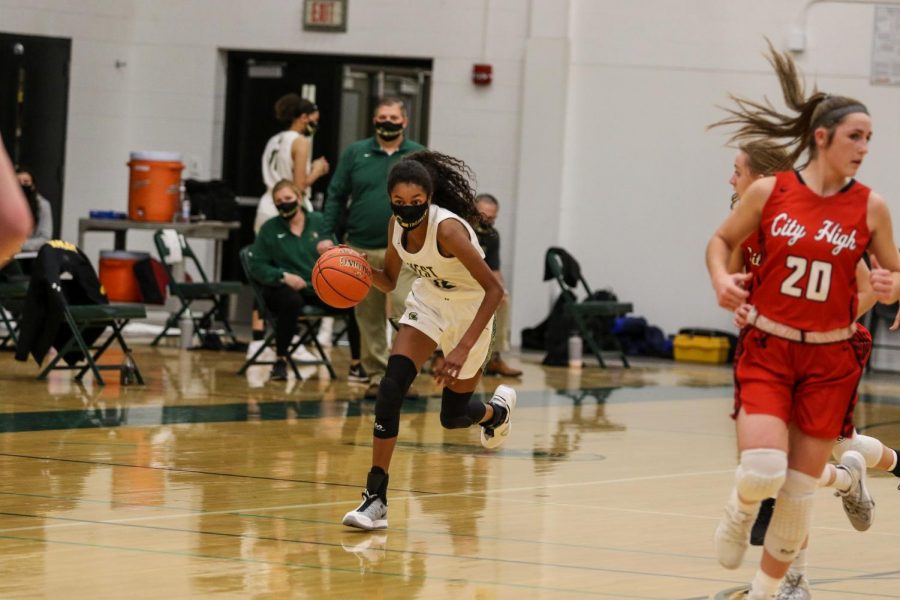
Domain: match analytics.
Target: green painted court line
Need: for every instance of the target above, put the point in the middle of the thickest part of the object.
(145, 416)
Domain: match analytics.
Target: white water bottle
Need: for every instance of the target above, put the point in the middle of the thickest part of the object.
(575, 360)
(186, 324)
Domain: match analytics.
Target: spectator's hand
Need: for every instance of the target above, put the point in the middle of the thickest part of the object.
(294, 281)
(324, 246)
(453, 362)
(320, 167)
(730, 292)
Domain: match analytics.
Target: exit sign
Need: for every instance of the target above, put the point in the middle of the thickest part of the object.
(325, 15)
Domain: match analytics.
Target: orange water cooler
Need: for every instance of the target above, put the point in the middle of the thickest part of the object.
(154, 186)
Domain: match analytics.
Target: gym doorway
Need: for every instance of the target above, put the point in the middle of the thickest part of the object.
(345, 88)
(34, 105)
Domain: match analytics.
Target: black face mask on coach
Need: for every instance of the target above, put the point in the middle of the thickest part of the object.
(387, 130)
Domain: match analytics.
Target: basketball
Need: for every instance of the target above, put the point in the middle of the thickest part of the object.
(341, 277)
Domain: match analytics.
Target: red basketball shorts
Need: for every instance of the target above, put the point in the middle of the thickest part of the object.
(810, 385)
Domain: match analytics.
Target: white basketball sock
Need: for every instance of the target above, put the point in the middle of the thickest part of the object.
(763, 587)
(833, 477)
(799, 565)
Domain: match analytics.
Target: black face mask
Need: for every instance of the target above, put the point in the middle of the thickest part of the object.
(388, 131)
(287, 210)
(30, 192)
(311, 128)
(409, 216)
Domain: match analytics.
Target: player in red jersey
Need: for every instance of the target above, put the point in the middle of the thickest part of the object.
(754, 160)
(796, 368)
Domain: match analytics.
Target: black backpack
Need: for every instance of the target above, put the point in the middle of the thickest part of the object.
(212, 199)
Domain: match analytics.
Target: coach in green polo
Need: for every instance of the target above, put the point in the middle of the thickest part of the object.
(361, 176)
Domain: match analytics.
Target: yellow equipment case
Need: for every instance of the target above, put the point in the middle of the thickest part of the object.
(701, 348)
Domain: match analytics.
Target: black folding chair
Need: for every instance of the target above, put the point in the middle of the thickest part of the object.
(80, 318)
(881, 313)
(189, 292)
(308, 322)
(585, 312)
(12, 300)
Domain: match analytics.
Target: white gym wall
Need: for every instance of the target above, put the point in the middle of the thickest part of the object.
(592, 134)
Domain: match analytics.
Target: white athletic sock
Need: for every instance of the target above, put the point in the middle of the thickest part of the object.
(763, 587)
(894, 463)
(842, 480)
(799, 565)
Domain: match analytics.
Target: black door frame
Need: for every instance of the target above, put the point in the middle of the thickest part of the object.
(34, 116)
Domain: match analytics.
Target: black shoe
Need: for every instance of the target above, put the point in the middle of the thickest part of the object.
(279, 371)
(758, 533)
(358, 374)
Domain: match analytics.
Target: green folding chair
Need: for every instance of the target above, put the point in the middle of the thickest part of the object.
(585, 312)
(80, 318)
(309, 322)
(189, 292)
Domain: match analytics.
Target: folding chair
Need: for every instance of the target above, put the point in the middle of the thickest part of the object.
(189, 292)
(563, 267)
(308, 322)
(12, 299)
(80, 318)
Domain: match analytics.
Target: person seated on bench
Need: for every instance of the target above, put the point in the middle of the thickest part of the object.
(40, 211)
(282, 259)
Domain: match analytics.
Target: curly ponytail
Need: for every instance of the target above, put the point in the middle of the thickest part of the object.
(760, 119)
(448, 180)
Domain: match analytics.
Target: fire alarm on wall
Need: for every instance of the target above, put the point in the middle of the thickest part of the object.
(482, 74)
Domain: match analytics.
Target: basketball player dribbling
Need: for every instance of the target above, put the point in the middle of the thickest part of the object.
(795, 373)
(451, 305)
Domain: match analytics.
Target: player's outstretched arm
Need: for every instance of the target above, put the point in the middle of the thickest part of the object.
(884, 250)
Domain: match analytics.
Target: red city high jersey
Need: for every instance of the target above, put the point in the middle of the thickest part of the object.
(811, 247)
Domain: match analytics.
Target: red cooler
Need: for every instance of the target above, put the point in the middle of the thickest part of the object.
(117, 275)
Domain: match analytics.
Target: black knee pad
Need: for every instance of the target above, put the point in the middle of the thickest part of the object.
(460, 410)
(401, 372)
(387, 409)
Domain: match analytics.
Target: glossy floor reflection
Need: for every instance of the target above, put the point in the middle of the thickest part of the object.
(203, 483)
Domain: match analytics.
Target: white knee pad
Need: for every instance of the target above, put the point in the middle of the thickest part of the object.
(760, 474)
(869, 447)
(792, 517)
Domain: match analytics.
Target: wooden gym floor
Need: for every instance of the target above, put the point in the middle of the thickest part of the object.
(206, 484)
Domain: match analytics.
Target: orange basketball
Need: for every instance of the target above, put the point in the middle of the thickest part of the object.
(341, 277)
